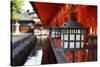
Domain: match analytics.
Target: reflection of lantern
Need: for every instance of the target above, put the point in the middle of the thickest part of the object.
(55, 32)
(74, 38)
(72, 35)
(92, 42)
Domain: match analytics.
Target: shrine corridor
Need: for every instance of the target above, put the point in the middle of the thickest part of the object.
(46, 55)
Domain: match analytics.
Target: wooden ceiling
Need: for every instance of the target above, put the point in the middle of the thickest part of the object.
(46, 11)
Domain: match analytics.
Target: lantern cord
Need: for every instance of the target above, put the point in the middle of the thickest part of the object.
(73, 13)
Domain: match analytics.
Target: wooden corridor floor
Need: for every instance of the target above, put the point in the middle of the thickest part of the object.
(48, 56)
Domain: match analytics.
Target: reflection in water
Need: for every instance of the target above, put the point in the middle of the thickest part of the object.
(34, 59)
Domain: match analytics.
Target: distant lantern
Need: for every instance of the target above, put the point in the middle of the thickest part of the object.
(72, 35)
(56, 31)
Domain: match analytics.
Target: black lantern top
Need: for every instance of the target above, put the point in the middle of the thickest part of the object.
(72, 24)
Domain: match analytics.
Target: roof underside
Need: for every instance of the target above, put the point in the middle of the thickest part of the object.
(46, 11)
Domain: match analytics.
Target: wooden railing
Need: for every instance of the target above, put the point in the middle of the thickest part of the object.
(22, 50)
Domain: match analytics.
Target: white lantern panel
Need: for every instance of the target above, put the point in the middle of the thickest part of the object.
(66, 37)
(61, 36)
(77, 44)
(77, 37)
(66, 31)
(56, 32)
(53, 35)
(82, 37)
(57, 35)
(71, 45)
(72, 31)
(78, 31)
(65, 44)
(72, 37)
(82, 44)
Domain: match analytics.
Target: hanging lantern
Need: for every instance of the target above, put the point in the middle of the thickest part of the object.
(73, 33)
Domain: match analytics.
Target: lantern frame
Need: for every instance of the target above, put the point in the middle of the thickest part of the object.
(56, 32)
(75, 34)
